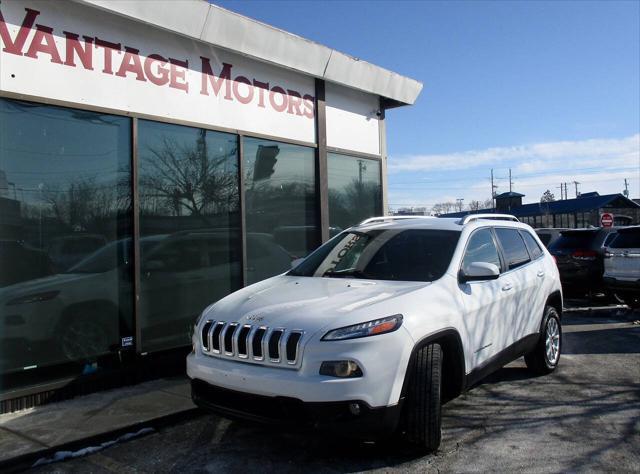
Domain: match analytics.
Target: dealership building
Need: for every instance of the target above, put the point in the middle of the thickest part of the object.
(154, 157)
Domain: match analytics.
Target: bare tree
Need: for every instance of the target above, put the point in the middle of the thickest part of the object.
(187, 176)
(443, 207)
(474, 205)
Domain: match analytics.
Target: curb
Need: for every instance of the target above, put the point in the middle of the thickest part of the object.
(26, 461)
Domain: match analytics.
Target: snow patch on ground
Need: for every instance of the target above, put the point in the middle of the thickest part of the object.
(62, 455)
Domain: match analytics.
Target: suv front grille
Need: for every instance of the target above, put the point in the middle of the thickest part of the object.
(249, 343)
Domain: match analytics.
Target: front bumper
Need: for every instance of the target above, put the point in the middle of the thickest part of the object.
(353, 418)
(383, 360)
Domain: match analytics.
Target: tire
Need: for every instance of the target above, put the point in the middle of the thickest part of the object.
(83, 338)
(632, 300)
(423, 407)
(544, 358)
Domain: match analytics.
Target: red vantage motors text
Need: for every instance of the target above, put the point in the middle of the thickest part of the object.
(153, 68)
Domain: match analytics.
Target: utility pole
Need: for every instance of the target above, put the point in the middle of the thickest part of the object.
(626, 188)
(561, 191)
(576, 184)
(510, 182)
(459, 201)
(493, 189)
(362, 167)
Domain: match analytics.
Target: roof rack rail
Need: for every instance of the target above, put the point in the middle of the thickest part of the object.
(371, 220)
(498, 217)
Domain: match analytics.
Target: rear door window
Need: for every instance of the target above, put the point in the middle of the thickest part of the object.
(627, 240)
(513, 246)
(534, 249)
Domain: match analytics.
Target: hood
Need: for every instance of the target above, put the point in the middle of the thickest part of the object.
(309, 303)
(50, 283)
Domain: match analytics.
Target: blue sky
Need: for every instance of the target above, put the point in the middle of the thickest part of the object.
(550, 89)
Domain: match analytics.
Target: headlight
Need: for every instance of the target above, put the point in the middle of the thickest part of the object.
(370, 328)
(34, 298)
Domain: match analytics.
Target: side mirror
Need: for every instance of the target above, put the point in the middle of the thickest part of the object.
(479, 271)
(296, 262)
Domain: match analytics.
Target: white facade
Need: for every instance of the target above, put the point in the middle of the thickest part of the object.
(77, 54)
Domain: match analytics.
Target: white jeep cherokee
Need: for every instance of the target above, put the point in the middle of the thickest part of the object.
(373, 330)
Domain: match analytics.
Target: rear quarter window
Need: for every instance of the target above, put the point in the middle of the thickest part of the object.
(534, 249)
(626, 240)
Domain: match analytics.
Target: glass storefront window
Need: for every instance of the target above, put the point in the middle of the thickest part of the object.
(189, 228)
(355, 192)
(281, 208)
(65, 227)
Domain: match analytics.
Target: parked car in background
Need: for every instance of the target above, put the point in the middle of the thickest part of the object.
(579, 254)
(622, 266)
(549, 235)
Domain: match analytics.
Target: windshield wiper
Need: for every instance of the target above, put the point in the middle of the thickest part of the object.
(346, 273)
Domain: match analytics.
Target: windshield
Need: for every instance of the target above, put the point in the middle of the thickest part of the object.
(113, 255)
(388, 254)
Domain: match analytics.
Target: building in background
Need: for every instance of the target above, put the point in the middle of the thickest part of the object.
(154, 157)
(584, 211)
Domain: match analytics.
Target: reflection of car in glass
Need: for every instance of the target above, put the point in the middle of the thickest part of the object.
(73, 315)
(266, 257)
(82, 308)
(68, 250)
(297, 238)
(369, 332)
(19, 262)
(579, 254)
(622, 266)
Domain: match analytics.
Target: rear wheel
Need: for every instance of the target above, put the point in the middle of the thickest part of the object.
(83, 337)
(422, 413)
(544, 358)
(632, 300)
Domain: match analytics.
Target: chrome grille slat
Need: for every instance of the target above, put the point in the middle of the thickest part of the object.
(250, 336)
(230, 327)
(274, 340)
(237, 338)
(223, 339)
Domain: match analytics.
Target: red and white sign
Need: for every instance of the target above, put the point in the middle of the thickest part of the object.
(81, 55)
(606, 219)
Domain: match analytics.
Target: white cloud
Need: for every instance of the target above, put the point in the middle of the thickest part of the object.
(597, 164)
(608, 153)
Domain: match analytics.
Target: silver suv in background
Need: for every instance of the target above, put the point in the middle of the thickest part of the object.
(622, 265)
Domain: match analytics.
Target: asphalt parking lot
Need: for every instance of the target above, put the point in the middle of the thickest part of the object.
(583, 417)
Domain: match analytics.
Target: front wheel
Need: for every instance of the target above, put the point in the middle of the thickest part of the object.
(422, 412)
(544, 358)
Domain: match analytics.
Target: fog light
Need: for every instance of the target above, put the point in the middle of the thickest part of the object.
(340, 368)
(354, 408)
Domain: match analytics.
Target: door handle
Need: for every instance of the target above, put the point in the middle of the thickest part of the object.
(540, 273)
(507, 287)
